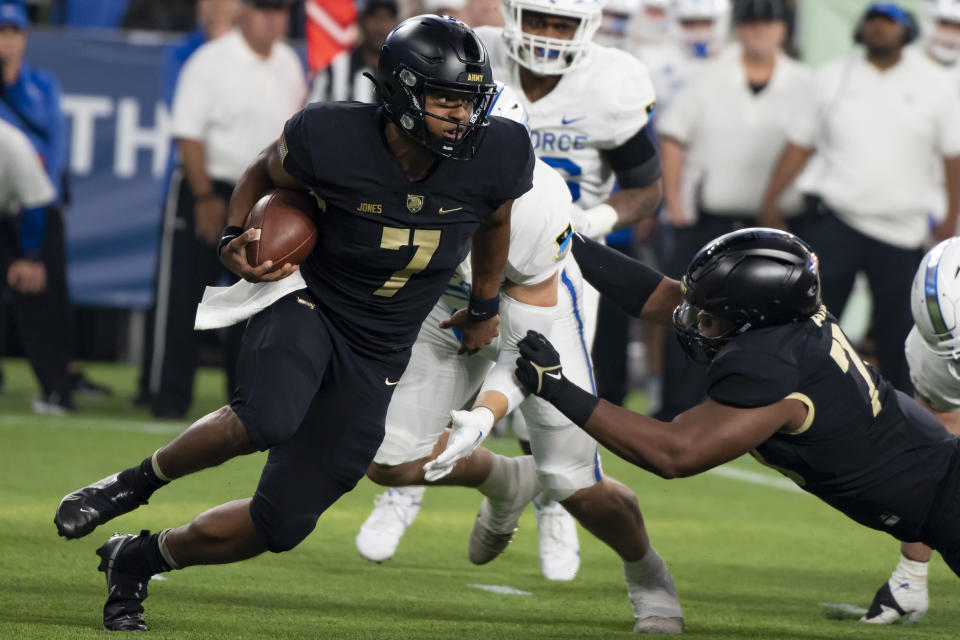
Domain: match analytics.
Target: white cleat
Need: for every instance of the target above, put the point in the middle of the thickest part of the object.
(559, 546)
(656, 607)
(393, 512)
(895, 601)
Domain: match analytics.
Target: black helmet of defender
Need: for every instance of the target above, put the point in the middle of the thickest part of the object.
(442, 53)
(754, 278)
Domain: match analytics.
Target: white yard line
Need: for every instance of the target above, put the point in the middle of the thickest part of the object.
(754, 477)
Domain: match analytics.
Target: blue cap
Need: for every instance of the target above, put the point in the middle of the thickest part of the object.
(890, 10)
(15, 14)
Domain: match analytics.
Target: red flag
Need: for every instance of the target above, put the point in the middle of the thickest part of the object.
(331, 28)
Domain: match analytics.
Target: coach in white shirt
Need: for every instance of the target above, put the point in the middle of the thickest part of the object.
(232, 99)
(719, 142)
(879, 122)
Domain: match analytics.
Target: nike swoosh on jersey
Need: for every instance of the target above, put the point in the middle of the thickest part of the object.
(566, 121)
(387, 382)
(443, 211)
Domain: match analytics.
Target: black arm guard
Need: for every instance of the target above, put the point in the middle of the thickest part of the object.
(624, 280)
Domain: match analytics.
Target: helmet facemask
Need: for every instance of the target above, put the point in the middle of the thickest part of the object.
(544, 55)
(698, 347)
(412, 114)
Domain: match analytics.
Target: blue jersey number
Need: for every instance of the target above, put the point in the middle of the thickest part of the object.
(569, 167)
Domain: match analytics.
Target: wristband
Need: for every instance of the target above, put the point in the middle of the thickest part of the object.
(574, 402)
(481, 310)
(228, 234)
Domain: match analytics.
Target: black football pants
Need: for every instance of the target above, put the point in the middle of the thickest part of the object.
(185, 266)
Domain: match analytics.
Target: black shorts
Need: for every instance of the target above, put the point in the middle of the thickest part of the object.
(942, 531)
(316, 403)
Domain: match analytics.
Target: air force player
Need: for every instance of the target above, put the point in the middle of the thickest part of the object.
(543, 289)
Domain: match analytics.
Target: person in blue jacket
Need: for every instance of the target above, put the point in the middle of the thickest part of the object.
(30, 101)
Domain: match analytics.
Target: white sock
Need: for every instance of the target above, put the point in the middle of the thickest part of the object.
(650, 587)
(640, 571)
(509, 477)
(909, 571)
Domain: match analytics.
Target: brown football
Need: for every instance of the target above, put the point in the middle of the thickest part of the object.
(285, 218)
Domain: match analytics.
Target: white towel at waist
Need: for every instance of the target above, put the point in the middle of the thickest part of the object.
(225, 306)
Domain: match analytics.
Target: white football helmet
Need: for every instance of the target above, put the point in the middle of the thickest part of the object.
(652, 23)
(943, 42)
(550, 56)
(703, 42)
(615, 22)
(506, 104)
(935, 299)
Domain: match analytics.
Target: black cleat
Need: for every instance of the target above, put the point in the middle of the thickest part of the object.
(84, 510)
(123, 610)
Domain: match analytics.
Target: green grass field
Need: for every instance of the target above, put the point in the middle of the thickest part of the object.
(750, 560)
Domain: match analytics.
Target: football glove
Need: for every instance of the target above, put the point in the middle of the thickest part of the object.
(467, 430)
(539, 371)
(538, 367)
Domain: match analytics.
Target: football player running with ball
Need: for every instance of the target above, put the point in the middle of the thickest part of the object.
(784, 384)
(541, 290)
(317, 367)
(933, 354)
(588, 107)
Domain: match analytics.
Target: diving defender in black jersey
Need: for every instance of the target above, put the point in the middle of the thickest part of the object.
(784, 384)
(406, 188)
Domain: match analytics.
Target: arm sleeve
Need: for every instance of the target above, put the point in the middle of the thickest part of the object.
(636, 162)
(516, 318)
(192, 100)
(295, 148)
(622, 279)
(747, 379)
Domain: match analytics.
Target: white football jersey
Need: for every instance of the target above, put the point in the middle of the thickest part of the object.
(595, 107)
(935, 379)
(540, 237)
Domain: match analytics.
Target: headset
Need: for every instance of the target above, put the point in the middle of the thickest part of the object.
(911, 28)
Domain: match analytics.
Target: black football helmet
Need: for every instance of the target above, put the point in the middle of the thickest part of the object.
(754, 278)
(435, 52)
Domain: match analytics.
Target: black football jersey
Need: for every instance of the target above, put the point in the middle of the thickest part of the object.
(387, 246)
(865, 448)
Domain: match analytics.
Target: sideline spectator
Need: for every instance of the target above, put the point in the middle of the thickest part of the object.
(879, 122)
(232, 98)
(344, 79)
(25, 193)
(30, 101)
(719, 143)
(215, 18)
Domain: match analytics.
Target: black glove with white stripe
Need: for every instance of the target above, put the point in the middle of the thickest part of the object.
(540, 372)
